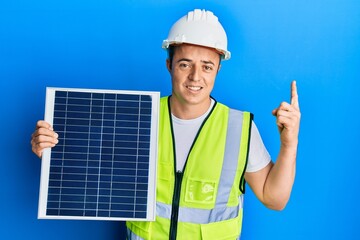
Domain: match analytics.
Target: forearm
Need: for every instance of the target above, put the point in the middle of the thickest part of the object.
(278, 185)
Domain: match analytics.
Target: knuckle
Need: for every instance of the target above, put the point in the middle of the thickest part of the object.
(39, 138)
(39, 124)
(41, 131)
(41, 146)
(283, 104)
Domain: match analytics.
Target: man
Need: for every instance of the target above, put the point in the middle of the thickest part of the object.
(205, 150)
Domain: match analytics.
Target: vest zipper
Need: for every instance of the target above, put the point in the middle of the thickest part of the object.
(175, 206)
(179, 176)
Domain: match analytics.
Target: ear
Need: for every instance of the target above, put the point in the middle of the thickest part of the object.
(218, 68)
(168, 65)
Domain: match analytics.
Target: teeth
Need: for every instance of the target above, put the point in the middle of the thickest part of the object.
(194, 88)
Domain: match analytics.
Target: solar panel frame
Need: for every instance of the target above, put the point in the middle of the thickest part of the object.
(48, 170)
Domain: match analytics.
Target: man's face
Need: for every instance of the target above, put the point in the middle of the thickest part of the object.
(193, 71)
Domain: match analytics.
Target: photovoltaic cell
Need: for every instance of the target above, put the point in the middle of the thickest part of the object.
(105, 162)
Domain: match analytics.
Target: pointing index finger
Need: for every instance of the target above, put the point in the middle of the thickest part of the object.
(294, 96)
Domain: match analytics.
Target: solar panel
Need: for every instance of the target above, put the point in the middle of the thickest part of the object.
(104, 166)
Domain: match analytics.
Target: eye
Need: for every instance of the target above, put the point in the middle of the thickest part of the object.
(208, 68)
(184, 65)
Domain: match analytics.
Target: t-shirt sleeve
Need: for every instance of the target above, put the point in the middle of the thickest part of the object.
(258, 157)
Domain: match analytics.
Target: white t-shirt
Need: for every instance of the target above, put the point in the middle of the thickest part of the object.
(186, 130)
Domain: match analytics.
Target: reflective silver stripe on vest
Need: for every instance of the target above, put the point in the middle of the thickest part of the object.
(221, 212)
(200, 216)
(132, 236)
(230, 163)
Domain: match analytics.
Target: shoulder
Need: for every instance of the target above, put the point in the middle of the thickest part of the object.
(234, 111)
(226, 107)
(164, 99)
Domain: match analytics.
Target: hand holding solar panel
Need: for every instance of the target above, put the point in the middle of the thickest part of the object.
(98, 150)
(43, 137)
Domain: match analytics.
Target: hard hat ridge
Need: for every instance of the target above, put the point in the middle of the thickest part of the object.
(204, 15)
(199, 27)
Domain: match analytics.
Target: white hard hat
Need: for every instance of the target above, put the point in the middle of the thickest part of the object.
(199, 27)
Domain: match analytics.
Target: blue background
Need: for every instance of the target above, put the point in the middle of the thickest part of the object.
(116, 45)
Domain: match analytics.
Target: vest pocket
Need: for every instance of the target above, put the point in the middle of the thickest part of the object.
(224, 230)
(200, 191)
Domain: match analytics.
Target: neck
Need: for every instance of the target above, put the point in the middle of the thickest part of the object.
(187, 111)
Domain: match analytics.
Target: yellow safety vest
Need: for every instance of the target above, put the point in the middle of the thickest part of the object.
(205, 200)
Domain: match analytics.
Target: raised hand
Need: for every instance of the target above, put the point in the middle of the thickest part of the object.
(288, 119)
(43, 137)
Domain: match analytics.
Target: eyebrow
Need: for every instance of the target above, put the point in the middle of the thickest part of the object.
(208, 62)
(189, 60)
(184, 59)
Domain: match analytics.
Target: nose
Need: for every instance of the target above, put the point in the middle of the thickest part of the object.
(195, 74)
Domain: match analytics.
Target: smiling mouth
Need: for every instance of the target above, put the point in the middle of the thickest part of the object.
(194, 88)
